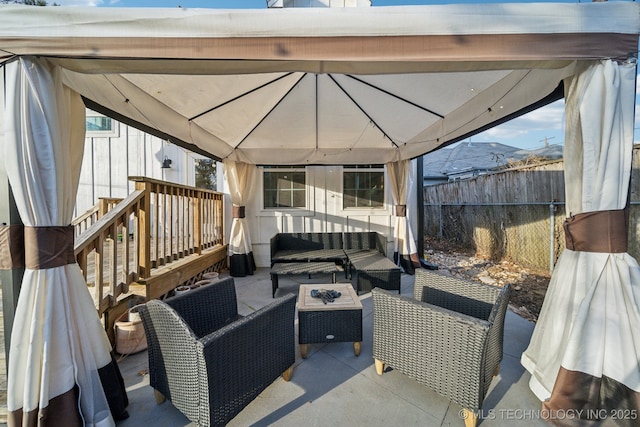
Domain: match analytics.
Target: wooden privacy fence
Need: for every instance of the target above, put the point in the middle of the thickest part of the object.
(159, 224)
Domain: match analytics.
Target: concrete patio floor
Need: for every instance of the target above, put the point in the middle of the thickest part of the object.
(332, 387)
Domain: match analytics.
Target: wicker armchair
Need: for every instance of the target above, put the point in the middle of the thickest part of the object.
(209, 361)
(448, 337)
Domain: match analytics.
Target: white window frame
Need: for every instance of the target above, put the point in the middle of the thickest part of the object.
(383, 209)
(294, 211)
(114, 132)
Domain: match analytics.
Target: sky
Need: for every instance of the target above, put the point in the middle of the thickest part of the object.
(529, 131)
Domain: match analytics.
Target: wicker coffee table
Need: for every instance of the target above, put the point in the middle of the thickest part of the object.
(338, 321)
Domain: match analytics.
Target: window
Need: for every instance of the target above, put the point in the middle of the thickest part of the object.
(284, 187)
(100, 126)
(363, 186)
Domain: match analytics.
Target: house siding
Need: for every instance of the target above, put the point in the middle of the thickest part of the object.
(324, 213)
(109, 162)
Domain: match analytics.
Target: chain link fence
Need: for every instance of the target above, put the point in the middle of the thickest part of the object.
(530, 234)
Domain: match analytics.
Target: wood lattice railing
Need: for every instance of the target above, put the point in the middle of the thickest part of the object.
(91, 216)
(157, 225)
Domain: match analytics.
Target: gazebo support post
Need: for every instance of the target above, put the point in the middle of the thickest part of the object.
(10, 280)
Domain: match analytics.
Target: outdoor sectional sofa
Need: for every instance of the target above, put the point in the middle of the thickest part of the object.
(361, 254)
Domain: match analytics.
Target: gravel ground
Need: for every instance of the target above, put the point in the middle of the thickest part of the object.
(529, 286)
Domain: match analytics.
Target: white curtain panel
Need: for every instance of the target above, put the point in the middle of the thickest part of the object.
(57, 340)
(586, 343)
(239, 177)
(401, 179)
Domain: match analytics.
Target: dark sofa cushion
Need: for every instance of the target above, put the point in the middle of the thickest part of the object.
(309, 241)
(319, 255)
(301, 247)
(365, 240)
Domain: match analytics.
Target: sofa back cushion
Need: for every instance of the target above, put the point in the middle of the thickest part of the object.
(365, 240)
(309, 241)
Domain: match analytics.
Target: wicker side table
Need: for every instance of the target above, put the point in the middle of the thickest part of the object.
(338, 321)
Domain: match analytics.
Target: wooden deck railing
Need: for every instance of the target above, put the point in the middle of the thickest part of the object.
(156, 225)
(92, 215)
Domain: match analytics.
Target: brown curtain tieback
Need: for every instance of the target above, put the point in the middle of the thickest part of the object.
(238, 211)
(11, 246)
(598, 231)
(48, 247)
(401, 210)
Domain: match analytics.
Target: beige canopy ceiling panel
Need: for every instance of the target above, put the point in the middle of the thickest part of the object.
(492, 105)
(203, 93)
(343, 121)
(396, 117)
(117, 94)
(233, 120)
(291, 126)
(321, 85)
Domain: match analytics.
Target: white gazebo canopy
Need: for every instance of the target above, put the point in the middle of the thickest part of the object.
(320, 85)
